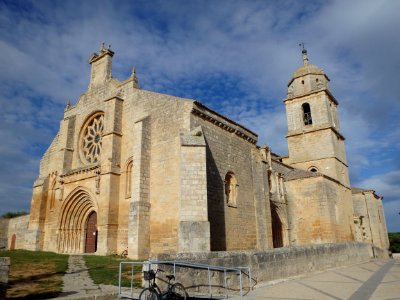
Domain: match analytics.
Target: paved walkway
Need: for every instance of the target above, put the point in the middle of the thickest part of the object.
(78, 284)
(378, 279)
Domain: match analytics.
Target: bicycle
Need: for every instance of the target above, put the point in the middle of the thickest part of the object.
(124, 253)
(175, 291)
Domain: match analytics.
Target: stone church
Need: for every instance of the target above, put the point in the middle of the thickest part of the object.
(152, 173)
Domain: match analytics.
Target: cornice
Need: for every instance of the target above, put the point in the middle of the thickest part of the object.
(207, 116)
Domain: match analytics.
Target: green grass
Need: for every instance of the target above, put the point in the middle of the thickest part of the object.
(35, 274)
(104, 270)
(38, 274)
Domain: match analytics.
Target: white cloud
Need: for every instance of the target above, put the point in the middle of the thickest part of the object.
(250, 47)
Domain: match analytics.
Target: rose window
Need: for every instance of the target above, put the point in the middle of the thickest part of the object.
(91, 139)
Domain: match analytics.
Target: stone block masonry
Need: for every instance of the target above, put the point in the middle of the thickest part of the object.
(4, 270)
(3, 233)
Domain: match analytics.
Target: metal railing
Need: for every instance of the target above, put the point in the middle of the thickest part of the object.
(210, 268)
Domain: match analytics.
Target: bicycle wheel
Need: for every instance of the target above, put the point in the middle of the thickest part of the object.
(179, 291)
(148, 294)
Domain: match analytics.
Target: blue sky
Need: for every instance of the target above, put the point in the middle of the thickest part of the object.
(234, 56)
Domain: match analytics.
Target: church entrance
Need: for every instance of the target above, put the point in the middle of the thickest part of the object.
(277, 234)
(91, 233)
(77, 231)
(13, 241)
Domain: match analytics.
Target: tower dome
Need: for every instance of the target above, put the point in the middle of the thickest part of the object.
(307, 78)
(307, 70)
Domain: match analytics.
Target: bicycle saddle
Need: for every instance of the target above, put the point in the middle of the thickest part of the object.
(170, 277)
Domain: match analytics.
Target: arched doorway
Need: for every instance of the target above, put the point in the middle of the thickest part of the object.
(13, 241)
(91, 233)
(77, 213)
(277, 234)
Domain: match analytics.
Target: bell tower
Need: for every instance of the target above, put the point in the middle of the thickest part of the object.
(314, 139)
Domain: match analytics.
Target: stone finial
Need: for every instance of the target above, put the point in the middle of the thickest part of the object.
(104, 49)
(304, 52)
(68, 105)
(134, 77)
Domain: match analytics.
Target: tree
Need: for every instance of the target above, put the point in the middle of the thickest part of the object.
(14, 214)
(394, 240)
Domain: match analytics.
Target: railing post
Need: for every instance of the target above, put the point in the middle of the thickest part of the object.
(132, 280)
(250, 286)
(119, 279)
(241, 287)
(209, 281)
(226, 292)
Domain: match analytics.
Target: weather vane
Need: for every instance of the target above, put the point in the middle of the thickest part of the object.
(304, 52)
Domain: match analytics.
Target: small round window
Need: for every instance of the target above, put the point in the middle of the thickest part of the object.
(313, 169)
(91, 138)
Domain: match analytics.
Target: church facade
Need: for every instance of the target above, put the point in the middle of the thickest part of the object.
(152, 173)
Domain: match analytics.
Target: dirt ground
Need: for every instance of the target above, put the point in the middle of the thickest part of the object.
(34, 281)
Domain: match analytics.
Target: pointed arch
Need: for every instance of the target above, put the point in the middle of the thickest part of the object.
(277, 228)
(73, 220)
(13, 241)
(279, 225)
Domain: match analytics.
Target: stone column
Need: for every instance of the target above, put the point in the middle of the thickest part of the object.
(383, 229)
(139, 207)
(34, 235)
(108, 185)
(260, 168)
(194, 228)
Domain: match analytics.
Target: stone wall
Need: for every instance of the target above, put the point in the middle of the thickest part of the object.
(4, 233)
(273, 264)
(228, 152)
(13, 232)
(379, 252)
(4, 270)
(18, 226)
(319, 211)
(371, 223)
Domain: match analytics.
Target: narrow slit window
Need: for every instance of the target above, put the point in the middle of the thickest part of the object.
(307, 114)
(128, 184)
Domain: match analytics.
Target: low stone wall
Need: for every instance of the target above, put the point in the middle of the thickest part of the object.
(379, 253)
(4, 270)
(396, 256)
(18, 228)
(270, 265)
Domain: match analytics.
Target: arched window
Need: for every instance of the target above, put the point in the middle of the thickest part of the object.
(231, 189)
(128, 182)
(313, 169)
(307, 114)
